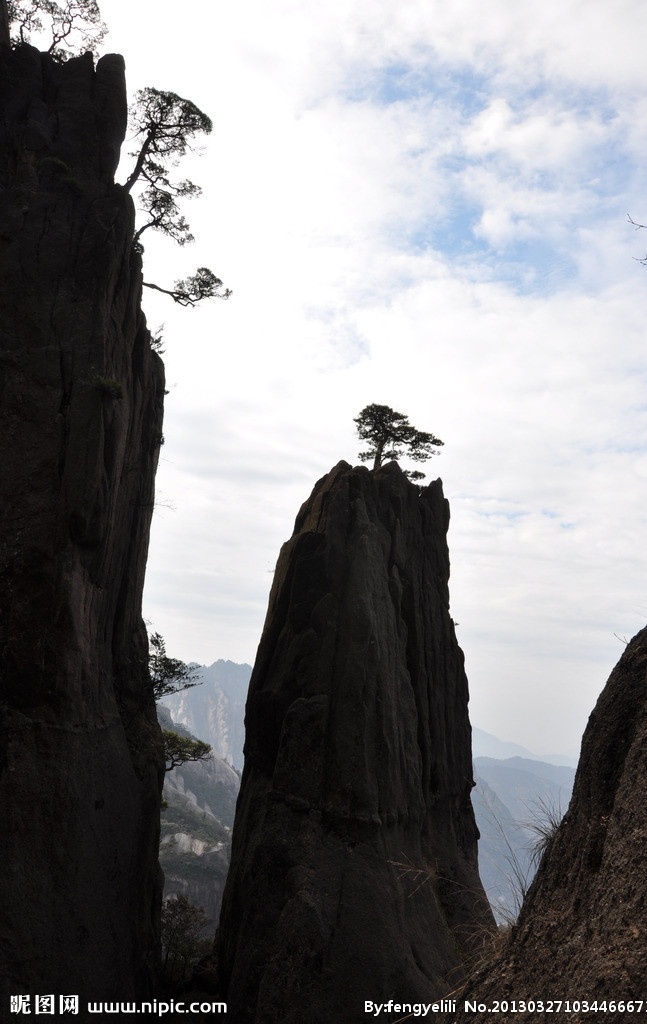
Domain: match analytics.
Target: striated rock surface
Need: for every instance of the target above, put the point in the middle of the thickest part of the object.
(81, 397)
(582, 931)
(354, 872)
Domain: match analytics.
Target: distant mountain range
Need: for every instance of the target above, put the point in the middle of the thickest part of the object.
(514, 800)
(215, 710)
(196, 822)
(484, 744)
(514, 789)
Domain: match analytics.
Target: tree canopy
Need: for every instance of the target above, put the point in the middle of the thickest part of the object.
(180, 749)
(190, 290)
(391, 436)
(165, 123)
(75, 24)
(165, 126)
(183, 937)
(168, 675)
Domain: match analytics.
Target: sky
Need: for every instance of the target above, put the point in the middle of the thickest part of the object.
(423, 205)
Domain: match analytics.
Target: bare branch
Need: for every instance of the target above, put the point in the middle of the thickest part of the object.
(635, 223)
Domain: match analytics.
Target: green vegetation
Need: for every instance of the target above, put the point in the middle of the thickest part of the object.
(165, 126)
(164, 123)
(190, 290)
(52, 163)
(183, 939)
(177, 817)
(107, 386)
(391, 436)
(180, 749)
(168, 675)
(546, 819)
(72, 184)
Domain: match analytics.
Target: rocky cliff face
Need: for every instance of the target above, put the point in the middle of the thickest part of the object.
(353, 872)
(80, 425)
(582, 932)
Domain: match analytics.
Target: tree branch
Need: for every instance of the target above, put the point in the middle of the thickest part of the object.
(141, 159)
(202, 285)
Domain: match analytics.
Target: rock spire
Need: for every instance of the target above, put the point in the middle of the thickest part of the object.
(354, 873)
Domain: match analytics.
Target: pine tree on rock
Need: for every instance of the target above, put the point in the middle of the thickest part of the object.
(391, 436)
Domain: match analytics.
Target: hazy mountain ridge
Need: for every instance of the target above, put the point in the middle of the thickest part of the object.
(504, 855)
(484, 744)
(521, 783)
(509, 797)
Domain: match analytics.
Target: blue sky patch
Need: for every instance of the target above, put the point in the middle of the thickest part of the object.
(402, 83)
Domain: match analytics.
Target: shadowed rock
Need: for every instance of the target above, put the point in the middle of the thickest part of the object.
(81, 758)
(582, 931)
(353, 872)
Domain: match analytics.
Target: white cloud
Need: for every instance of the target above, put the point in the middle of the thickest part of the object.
(421, 206)
(541, 138)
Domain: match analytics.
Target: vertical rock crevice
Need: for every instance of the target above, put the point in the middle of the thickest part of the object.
(81, 405)
(353, 872)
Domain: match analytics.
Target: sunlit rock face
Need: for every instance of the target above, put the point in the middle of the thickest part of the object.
(582, 931)
(80, 427)
(354, 872)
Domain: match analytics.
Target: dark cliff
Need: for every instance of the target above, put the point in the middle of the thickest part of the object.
(582, 931)
(81, 397)
(353, 873)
